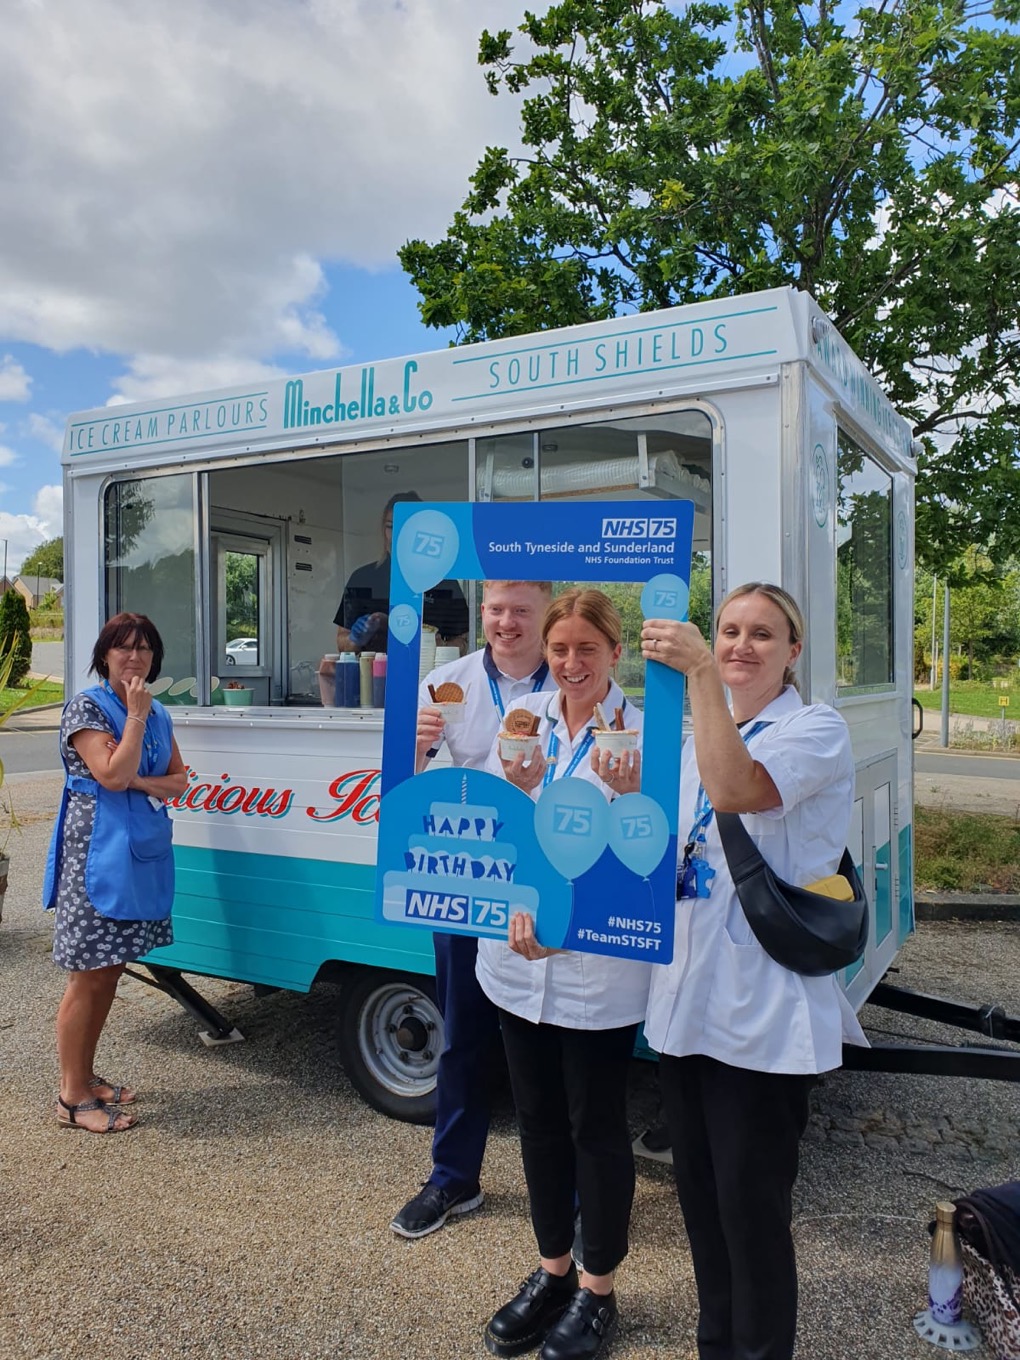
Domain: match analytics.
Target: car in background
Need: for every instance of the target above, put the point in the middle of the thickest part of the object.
(243, 652)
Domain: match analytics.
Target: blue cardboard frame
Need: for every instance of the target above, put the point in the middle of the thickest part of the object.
(597, 877)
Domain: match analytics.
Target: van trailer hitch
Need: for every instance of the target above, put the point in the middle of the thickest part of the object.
(992, 1064)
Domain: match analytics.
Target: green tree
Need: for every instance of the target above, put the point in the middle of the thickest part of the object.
(241, 571)
(868, 155)
(45, 560)
(984, 615)
(15, 636)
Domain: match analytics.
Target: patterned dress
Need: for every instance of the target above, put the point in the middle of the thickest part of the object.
(82, 939)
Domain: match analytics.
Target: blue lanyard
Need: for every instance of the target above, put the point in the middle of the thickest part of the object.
(497, 698)
(703, 810)
(578, 756)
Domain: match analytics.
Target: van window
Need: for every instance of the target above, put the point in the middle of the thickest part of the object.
(643, 462)
(864, 577)
(324, 521)
(149, 531)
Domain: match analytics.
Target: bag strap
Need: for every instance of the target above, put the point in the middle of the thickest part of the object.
(742, 855)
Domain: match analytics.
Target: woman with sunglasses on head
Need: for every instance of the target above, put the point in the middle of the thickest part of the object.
(742, 1038)
(109, 877)
(569, 1021)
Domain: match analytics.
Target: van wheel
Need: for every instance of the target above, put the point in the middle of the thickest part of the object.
(391, 1036)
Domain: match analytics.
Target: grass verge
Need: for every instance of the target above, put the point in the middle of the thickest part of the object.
(966, 851)
(49, 693)
(975, 698)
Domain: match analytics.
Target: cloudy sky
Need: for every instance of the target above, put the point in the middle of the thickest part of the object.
(203, 192)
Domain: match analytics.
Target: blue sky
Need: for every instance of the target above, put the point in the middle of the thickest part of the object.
(207, 192)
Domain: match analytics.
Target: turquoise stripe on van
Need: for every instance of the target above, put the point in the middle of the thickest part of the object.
(275, 921)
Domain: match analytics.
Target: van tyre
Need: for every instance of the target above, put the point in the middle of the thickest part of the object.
(391, 1036)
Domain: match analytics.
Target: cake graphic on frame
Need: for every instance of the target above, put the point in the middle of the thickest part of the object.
(458, 876)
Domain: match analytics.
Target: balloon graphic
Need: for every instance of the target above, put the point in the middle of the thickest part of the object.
(572, 825)
(403, 623)
(638, 832)
(665, 597)
(427, 548)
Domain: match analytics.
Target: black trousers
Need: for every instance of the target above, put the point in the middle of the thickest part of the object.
(735, 1136)
(570, 1089)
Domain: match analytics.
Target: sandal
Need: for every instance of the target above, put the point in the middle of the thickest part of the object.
(84, 1107)
(122, 1095)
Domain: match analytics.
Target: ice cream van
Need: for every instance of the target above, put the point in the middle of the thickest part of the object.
(236, 518)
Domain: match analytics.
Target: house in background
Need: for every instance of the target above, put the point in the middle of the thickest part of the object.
(34, 589)
(6, 584)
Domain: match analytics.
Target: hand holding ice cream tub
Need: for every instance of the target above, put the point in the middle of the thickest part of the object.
(616, 758)
(520, 749)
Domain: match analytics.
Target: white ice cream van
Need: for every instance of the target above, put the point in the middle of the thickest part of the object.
(234, 518)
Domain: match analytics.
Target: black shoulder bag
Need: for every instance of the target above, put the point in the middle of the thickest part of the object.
(804, 931)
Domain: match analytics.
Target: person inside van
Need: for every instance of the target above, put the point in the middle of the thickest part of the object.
(363, 616)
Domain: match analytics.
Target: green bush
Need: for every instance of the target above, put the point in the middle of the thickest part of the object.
(15, 637)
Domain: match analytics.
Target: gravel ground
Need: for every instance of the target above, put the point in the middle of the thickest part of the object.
(247, 1217)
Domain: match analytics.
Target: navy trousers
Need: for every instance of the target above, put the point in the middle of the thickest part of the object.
(464, 1078)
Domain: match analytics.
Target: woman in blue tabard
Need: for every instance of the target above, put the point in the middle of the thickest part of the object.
(569, 1021)
(109, 877)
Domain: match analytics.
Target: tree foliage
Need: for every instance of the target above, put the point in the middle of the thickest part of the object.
(984, 615)
(15, 636)
(45, 560)
(868, 155)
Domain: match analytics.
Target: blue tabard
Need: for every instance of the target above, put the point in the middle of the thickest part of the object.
(129, 870)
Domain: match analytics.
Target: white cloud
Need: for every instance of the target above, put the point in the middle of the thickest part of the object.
(47, 430)
(175, 176)
(49, 510)
(8, 457)
(156, 375)
(15, 384)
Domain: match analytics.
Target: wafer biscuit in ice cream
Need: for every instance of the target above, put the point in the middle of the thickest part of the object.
(449, 693)
(519, 722)
(449, 699)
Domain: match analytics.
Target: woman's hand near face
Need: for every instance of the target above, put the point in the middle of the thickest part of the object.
(622, 774)
(678, 645)
(521, 938)
(137, 698)
(526, 777)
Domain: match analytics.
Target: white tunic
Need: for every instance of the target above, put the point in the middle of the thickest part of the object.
(575, 990)
(722, 995)
(470, 741)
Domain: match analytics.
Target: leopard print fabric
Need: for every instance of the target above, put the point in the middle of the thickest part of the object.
(989, 1303)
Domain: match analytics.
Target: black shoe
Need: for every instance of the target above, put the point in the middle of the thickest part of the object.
(430, 1209)
(582, 1331)
(522, 1323)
